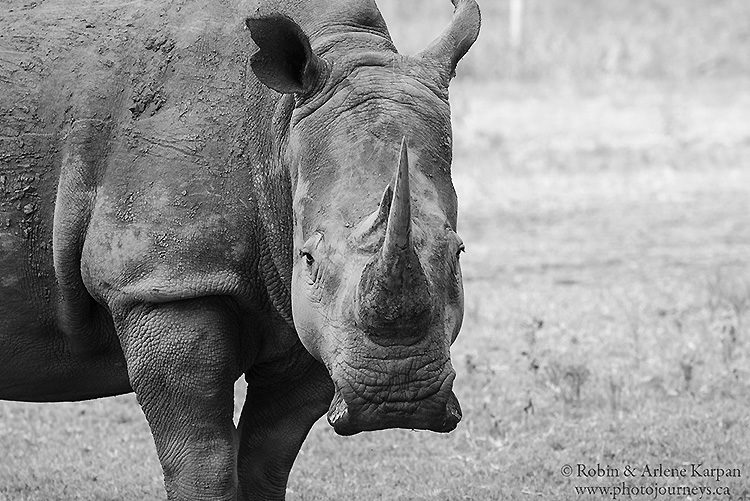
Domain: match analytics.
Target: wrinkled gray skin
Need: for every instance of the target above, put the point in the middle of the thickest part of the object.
(168, 222)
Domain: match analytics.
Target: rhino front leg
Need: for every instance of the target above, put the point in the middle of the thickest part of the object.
(182, 365)
(275, 421)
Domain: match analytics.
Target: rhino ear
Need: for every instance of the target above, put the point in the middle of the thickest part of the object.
(456, 40)
(285, 61)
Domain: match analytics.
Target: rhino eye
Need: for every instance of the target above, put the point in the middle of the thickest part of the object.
(310, 245)
(307, 257)
(461, 248)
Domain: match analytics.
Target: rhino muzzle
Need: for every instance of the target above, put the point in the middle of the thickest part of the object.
(393, 299)
(439, 412)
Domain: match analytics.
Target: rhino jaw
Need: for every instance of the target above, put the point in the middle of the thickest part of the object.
(453, 413)
(344, 424)
(338, 415)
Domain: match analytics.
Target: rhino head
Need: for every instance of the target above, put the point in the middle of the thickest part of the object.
(376, 283)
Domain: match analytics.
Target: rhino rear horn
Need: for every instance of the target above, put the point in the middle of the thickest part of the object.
(285, 61)
(456, 40)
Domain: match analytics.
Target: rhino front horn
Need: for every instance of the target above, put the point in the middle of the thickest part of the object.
(393, 300)
(398, 231)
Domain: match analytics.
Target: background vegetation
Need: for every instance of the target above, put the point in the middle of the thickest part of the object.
(593, 39)
(603, 171)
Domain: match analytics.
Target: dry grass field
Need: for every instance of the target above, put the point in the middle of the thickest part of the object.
(605, 208)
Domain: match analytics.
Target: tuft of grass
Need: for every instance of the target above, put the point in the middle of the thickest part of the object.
(728, 303)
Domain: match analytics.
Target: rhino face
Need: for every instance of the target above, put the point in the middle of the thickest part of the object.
(376, 287)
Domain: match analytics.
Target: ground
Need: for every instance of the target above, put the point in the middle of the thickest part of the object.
(607, 280)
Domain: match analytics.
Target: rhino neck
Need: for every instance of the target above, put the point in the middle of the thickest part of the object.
(273, 182)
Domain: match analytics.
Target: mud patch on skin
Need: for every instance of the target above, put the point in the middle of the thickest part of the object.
(148, 93)
(10, 271)
(127, 243)
(23, 245)
(147, 99)
(20, 201)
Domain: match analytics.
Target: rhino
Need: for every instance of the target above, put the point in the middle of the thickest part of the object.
(194, 191)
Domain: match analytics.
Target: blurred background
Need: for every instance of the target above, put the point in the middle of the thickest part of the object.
(602, 163)
(590, 41)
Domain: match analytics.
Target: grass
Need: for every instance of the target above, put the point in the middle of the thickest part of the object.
(607, 287)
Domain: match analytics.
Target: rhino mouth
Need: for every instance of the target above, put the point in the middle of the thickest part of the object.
(361, 403)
